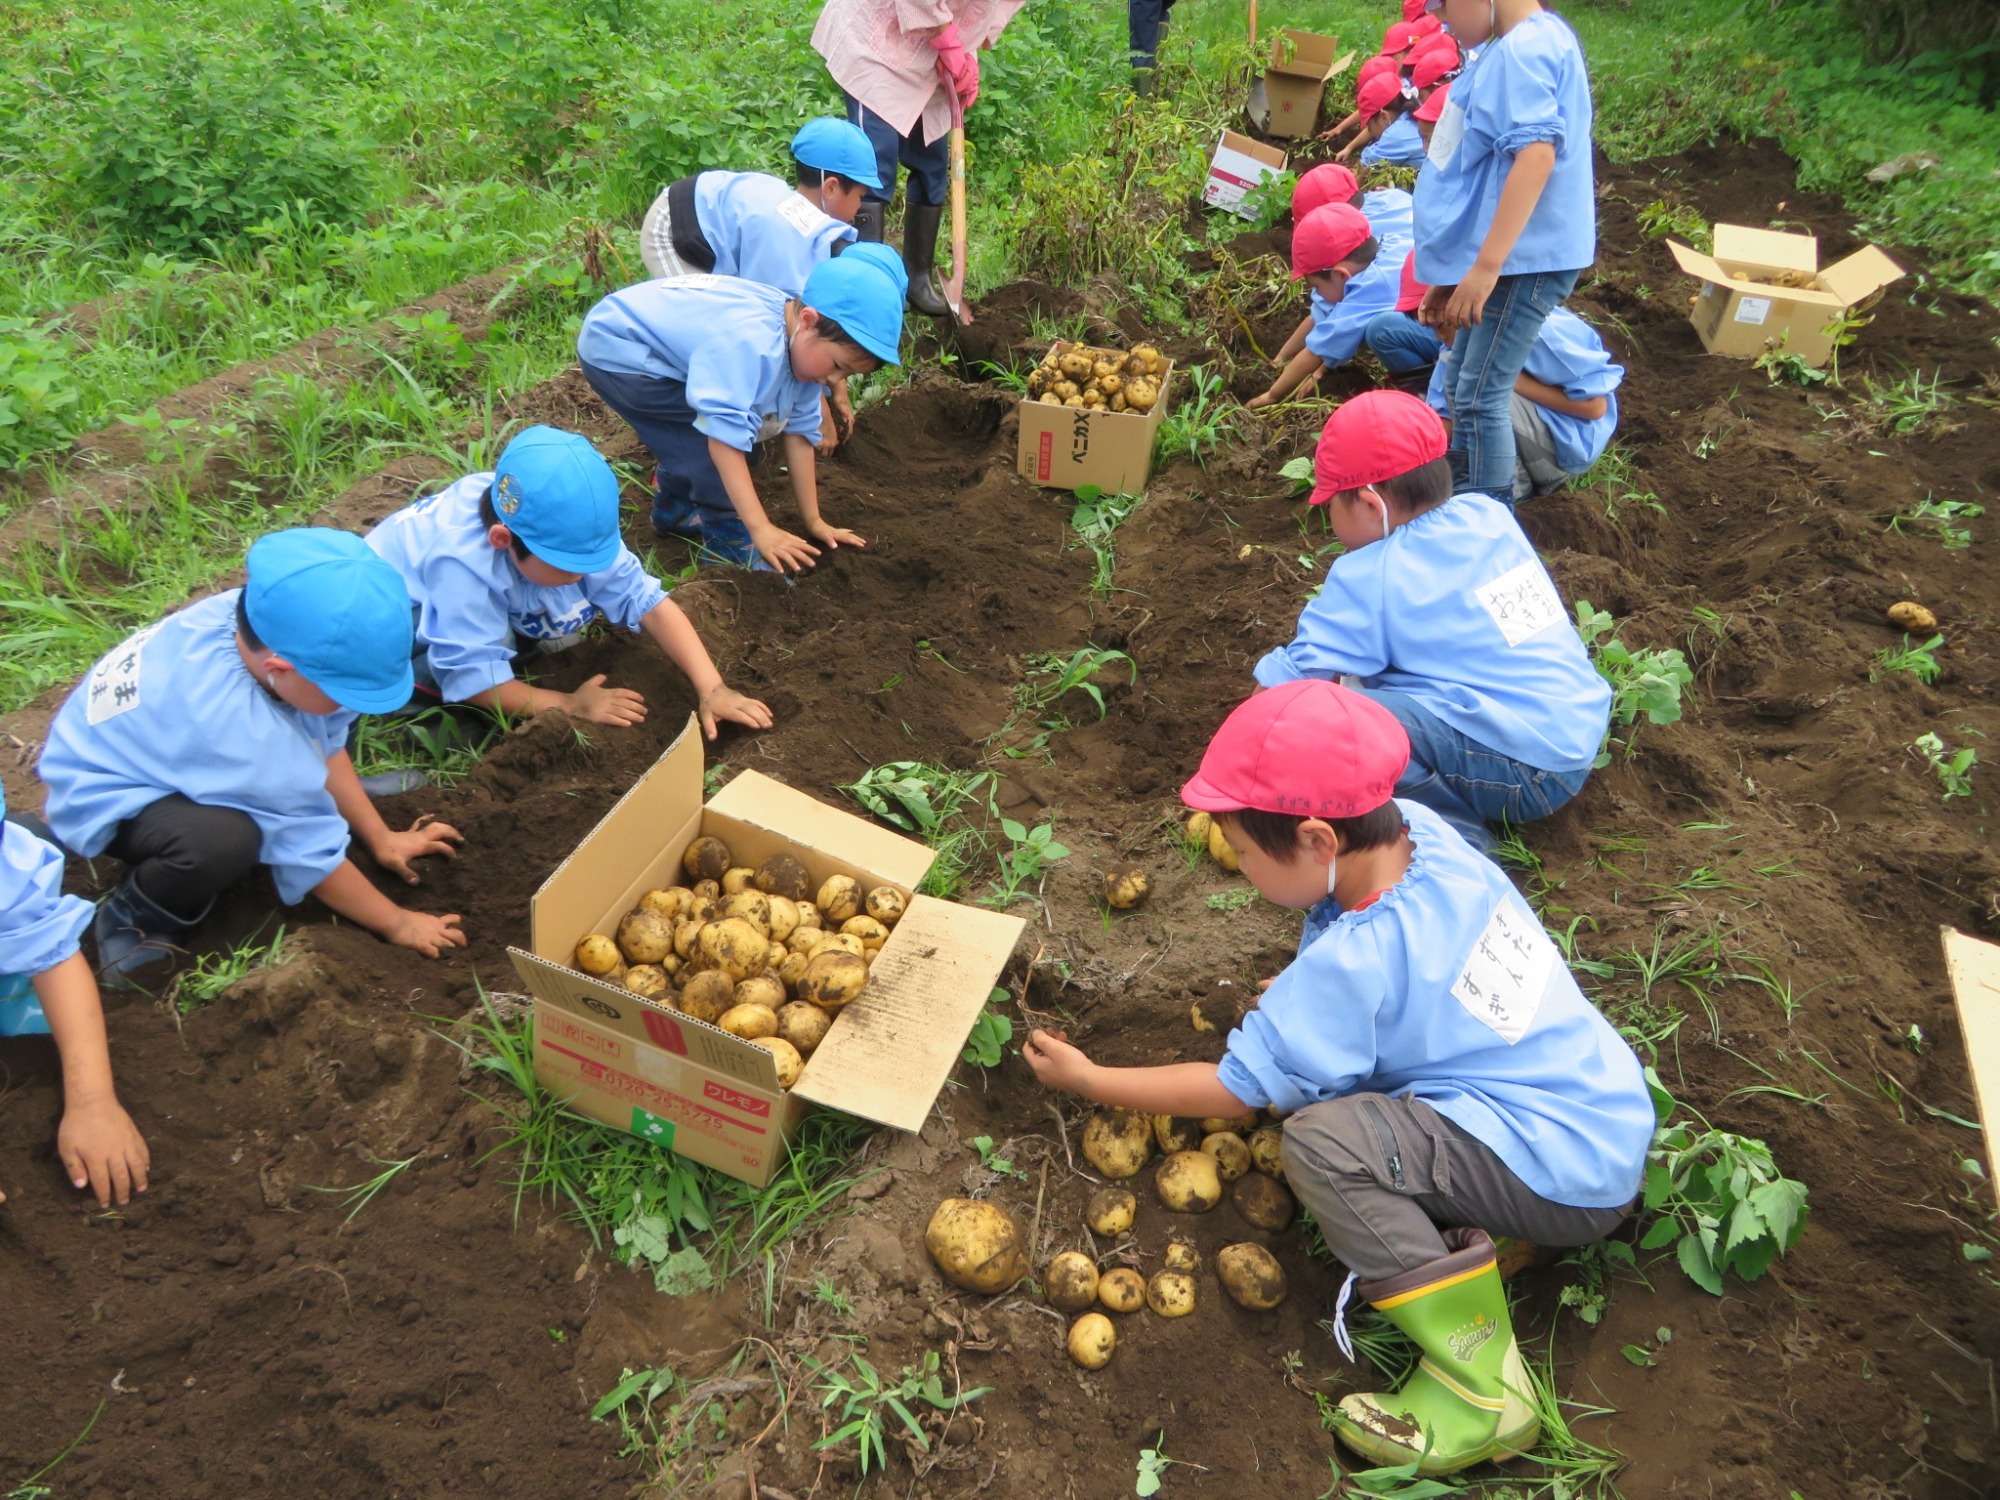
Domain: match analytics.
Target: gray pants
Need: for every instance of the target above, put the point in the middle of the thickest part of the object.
(1536, 471)
(1382, 1175)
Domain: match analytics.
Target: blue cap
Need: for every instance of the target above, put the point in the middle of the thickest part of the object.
(889, 260)
(838, 147)
(558, 495)
(858, 294)
(333, 609)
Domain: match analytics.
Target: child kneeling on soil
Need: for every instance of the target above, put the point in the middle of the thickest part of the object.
(46, 989)
(215, 741)
(703, 367)
(526, 557)
(1443, 1078)
(1444, 613)
(1354, 274)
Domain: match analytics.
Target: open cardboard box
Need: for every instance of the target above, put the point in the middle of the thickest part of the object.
(1238, 166)
(1067, 447)
(1286, 100)
(666, 1077)
(1763, 288)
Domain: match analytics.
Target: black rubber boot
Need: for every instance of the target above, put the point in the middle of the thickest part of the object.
(920, 233)
(136, 934)
(868, 224)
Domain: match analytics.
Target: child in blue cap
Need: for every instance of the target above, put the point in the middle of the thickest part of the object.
(1564, 408)
(46, 989)
(215, 741)
(1506, 214)
(529, 555)
(705, 366)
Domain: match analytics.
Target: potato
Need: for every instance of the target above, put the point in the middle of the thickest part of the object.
(687, 932)
(1221, 850)
(886, 905)
(1181, 1256)
(1066, 389)
(790, 1064)
(1241, 1125)
(784, 875)
(1110, 1211)
(707, 995)
(842, 942)
(1111, 385)
(735, 947)
(833, 979)
(1251, 1275)
(670, 965)
(1189, 1183)
(1050, 398)
(736, 879)
(597, 954)
(840, 898)
(1171, 1294)
(749, 1022)
(702, 909)
(1125, 889)
(1145, 360)
(1141, 392)
(753, 907)
(793, 970)
(803, 940)
(784, 917)
(1077, 364)
(775, 956)
(1108, 367)
(1232, 1156)
(1196, 829)
(1075, 401)
(976, 1245)
(1070, 1282)
(669, 903)
(708, 890)
(761, 989)
(871, 932)
(646, 979)
(707, 859)
(1118, 1142)
(1263, 1202)
(1118, 401)
(1091, 1340)
(1173, 1133)
(1093, 398)
(1267, 1151)
(644, 937)
(1122, 1290)
(809, 916)
(803, 1024)
(1910, 615)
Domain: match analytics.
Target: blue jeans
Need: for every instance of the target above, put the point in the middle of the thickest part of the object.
(1404, 345)
(1143, 21)
(688, 496)
(1481, 367)
(1464, 782)
(929, 166)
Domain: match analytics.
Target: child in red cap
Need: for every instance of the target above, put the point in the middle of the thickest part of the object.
(1442, 1077)
(1441, 612)
(1353, 276)
(1345, 327)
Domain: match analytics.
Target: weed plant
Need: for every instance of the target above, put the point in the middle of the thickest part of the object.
(1644, 682)
(1920, 661)
(870, 1408)
(214, 974)
(1095, 520)
(1953, 768)
(928, 801)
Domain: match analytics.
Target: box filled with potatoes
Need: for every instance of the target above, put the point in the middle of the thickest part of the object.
(704, 972)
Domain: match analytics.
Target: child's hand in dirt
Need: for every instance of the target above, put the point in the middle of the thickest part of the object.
(597, 704)
(424, 933)
(782, 550)
(1262, 398)
(102, 1150)
(1056, 1063)
(836, 537)
(424, 837)
(724, 702)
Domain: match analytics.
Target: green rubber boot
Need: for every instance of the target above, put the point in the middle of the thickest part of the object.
(1467, 1402)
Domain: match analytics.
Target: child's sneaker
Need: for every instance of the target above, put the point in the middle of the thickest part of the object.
(681, 518)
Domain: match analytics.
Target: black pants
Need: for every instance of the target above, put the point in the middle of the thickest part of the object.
(1143, 20)
(183, 854)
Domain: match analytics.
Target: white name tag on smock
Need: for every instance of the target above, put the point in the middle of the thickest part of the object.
(1507, 972)
(1446, 134)
(801, 215)
(1523, 602)
(113, 687)
(700, 280)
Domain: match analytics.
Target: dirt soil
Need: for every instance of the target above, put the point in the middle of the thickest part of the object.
(243, 1337)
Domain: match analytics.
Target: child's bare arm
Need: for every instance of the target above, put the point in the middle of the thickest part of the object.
(667, 623)
(348, 892)
(100, 1147)
(393, 851)
(1294, 344)
(1304, 366)
(1518, 196)
(1555, 399)
(779, 547)
(799, 457)
(1193, 1090)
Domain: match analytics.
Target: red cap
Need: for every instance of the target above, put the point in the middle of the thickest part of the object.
(1329, 182)
(1412, 290)
(1426, 24)
(1375, 65)
(1433, 107)
(1398, 38)
(1375, 436)
(1326, 237)
(1433, 63)
(1309, 748)
(1414, 11)
(1376, 94)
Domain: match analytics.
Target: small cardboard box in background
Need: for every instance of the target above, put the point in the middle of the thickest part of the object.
(1067, 447)
(1238, 166)
(666, 1077)
(1285, 102)
(1763, 289)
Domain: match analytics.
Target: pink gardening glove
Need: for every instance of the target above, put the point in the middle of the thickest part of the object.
(961, 67)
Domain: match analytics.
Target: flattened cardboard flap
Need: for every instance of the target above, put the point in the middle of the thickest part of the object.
(1974, 966)
(1861, 275)
(1766, 249)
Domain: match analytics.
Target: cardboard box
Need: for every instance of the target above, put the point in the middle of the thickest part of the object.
(1285, 102)
(1066, 447)
(1762, 289)
(1239, 164)
(714, 1098)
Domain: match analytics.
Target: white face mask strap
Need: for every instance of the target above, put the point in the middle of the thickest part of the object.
(1332, 865)
(1381, 500)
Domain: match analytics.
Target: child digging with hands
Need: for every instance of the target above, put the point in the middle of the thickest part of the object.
(1443, 1078)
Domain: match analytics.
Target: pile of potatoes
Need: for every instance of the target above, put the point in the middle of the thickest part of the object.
(1099, 379)
(758, 952)
(1203, 832)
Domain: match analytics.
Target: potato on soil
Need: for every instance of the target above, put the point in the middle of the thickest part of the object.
(886, 905)
(1070, 1282)
(1175, 1133)
(790, 1064)
(707, 995)
(749, 1022)
(646, 979)
(803, 1024)
(1171, 1294)
(840, 898)
(737, 878)
(597, 954)
(871, 932)
(753, 907)
(1196, 829)
(784, 875)
(1123, 1290)
(1125, 889)
(1221, 850)
(707, 859)
(1189, 1182)
(1910, 615)
(1118, 1142)
(1263, 1202)
(1091, 1340)
(669, 903)
(1251, 1275)
(1232, 1156)
(833, 979)
(1110, 1211)
(1267, 1150)
(1181, 1256)
(977, 1246)
(708, 890)
(735, 947)
(761, 989)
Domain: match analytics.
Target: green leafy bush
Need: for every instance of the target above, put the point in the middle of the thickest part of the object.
(38, 394)
(1644, 681)
(1722, 1202)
